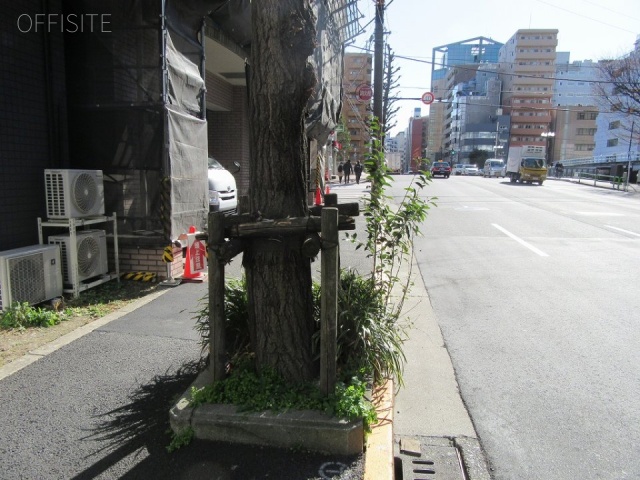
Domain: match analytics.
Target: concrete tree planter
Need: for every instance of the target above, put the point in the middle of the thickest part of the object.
(307, 429)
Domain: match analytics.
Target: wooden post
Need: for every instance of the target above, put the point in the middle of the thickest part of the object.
(329, 305)
(216, 297)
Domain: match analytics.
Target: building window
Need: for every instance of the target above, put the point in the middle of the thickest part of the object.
(587, 147)
(582, 115)
(612, 142)
(614, 125)
(586, 131)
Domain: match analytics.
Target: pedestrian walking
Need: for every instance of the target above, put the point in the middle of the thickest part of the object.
(340, 168)
(357, 169)
(347, 171)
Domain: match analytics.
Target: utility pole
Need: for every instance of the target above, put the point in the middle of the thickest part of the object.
(378, 78)
(626, 185)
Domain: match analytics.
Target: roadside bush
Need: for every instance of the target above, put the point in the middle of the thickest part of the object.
(368, 343)
(23, 315)
(251, 391)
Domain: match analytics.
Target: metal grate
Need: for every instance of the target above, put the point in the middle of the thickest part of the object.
(27, 279)
(433, 459)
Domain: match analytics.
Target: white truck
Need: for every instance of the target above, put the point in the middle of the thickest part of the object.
(526, 164)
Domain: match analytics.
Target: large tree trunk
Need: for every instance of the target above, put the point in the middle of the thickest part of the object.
(278, 276)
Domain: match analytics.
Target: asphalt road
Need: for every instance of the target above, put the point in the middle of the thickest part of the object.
(535, 289)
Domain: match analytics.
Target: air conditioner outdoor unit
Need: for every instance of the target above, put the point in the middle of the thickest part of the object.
(90, 250)
(74, 193)
(30, 274)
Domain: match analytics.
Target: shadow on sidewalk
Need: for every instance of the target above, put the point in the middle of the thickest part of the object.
(133, 443)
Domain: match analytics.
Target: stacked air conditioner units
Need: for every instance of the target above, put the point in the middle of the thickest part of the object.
(38, 273)
(73, 195)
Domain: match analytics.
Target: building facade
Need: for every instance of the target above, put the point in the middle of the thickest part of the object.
(452, 64)
(527, 69)
(355, 111)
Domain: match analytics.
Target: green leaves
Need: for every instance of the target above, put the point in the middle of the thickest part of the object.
(253, 391)
(389, 242)
(23, 315)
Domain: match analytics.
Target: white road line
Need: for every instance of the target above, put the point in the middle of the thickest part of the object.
(520, 241)
(624, 231)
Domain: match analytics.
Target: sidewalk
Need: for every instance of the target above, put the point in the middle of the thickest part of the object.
(94, 404)
(607, 185)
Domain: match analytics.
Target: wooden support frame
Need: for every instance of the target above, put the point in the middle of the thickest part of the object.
(332, 219)
(329, 306)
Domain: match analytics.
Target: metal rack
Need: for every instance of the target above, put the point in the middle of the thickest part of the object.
(72, 224)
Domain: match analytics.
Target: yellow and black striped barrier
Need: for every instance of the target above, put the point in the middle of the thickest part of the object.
(167, 255)
(140, 276)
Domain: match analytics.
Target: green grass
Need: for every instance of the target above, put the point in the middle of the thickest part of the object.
(94, 303)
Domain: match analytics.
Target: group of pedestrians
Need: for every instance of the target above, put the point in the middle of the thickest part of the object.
(345, 169)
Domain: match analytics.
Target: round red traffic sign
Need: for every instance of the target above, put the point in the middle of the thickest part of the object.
(428, 98)
(364, 92)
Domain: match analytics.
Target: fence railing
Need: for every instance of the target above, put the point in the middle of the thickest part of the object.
(615, 181)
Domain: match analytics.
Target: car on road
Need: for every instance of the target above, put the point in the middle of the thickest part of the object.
(458, 169)
(223, 193)
(469, 169)
(441, 168)
(493, 167)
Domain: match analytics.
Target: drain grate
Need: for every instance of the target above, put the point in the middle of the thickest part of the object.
(428, 459)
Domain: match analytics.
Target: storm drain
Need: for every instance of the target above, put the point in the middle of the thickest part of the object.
(427, 459)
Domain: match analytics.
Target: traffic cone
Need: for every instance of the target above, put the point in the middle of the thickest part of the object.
(194, 248)
(318, 196)
(326, 190)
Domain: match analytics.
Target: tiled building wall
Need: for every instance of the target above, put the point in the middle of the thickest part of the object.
(32, 119)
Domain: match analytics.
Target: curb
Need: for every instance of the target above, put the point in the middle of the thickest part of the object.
(379, 458)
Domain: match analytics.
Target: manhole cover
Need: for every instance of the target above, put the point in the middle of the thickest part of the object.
(436, 459)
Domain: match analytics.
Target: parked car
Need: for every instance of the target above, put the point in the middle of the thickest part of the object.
(458, 168)
(469, 169)
(441, 168)
(223, 193)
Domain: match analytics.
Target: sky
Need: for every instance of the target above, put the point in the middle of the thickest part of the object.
(588, 29)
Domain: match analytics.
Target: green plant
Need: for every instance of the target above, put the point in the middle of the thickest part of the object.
(390, 231)
(368, 341)
(237, 338)
(23, 315)
(94, 303)
(251, 391)
(179, 440)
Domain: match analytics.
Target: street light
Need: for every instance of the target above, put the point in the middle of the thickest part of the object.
(548, 136)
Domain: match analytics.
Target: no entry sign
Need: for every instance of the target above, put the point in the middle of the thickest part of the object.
(364, 92)
(428, 98)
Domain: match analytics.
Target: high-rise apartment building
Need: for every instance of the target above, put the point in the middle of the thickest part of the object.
(527, 70)
(356, 112)
(451, 64)
(576, 109)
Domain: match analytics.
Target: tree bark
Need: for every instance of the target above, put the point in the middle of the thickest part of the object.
(278, 275)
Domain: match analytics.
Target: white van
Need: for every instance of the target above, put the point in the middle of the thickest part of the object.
(223, 194)
(493, 167)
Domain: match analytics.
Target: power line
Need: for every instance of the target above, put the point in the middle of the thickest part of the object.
(584, 16)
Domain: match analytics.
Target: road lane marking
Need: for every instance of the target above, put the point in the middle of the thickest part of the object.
(623, 230)
(520, 241)
(606, 214)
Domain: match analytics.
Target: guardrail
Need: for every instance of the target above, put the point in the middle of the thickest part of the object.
(615, 181)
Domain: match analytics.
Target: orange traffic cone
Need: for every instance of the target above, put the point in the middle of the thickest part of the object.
(195, 261)
(318, 196)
